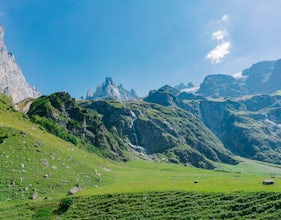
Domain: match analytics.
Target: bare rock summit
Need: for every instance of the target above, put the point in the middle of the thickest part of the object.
(109, 91)
(12, 81)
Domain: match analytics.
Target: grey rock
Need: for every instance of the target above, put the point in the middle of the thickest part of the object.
(74, 190)
(34, 195)
(109, 91)
(268, 182)
(261, 78)
(12, 81)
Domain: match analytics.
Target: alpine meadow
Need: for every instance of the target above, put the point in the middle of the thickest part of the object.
(140, 110)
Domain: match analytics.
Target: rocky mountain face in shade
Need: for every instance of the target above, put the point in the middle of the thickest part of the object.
(12, 81)
(119, 129)
(109, 91)
(248, 126)
(183, 86)
(261, 78)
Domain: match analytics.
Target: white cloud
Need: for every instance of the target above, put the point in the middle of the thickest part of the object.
(2, 13)
(219, 35)
(223, 46)
(225, 18)
(221, 50)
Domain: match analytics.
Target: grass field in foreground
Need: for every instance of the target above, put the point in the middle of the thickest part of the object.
(155, 205)
(28, 153)
(142, 176)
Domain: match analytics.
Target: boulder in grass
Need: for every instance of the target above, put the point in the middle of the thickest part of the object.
(34, 196)
(268, 182)
(74, 190)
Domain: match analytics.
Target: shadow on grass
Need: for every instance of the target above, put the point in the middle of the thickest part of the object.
(64, 206)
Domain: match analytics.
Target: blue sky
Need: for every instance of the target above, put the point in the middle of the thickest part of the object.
(72, 45)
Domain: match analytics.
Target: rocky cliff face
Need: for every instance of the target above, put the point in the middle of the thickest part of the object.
(248, 127)
(62, 116)
(119, 130)
(261, 78)
(165, 96)
(109, 91)
(220, 85)
(161, 131)
(12, 81)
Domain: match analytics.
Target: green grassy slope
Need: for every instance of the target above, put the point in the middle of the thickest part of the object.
(34, 161)
(155, 205)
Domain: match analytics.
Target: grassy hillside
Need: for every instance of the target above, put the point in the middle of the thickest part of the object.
(118, 129)
(61, 115)
(177, 205)
(35, 163)
(145, 190)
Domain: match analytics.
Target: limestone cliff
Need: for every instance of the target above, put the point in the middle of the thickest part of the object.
(12, 81)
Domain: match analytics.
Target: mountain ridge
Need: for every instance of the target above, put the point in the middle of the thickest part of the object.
(261, 78)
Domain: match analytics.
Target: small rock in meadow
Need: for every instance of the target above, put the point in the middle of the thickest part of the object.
(54, 167)
(34, 196)
(74, 190)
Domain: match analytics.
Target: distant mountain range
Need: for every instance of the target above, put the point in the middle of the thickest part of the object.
(109, 91)
(226, 116)
(262, 78)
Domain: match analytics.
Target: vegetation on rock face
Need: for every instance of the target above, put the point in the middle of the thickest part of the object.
(61, 115)
(248, 127)
(116, 128)
(163, 130)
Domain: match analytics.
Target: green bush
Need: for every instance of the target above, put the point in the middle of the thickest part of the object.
(64, 205)
(55, 129)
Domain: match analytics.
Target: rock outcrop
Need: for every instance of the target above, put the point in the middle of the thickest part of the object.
(247, 126)
(61, 115)
(261, 78)
(158, 130)
(12, 81)
(109, 91)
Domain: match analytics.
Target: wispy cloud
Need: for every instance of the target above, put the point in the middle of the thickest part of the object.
(219, 35)
(216, 55)
(223, 44)
(2, 13)
(225, 18)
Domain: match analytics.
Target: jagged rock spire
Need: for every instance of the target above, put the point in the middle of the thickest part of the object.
(108, 90)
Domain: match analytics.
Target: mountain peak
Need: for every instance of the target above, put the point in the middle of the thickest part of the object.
(1, 32)
(12, 81)
(109, 91)
(108, 81)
